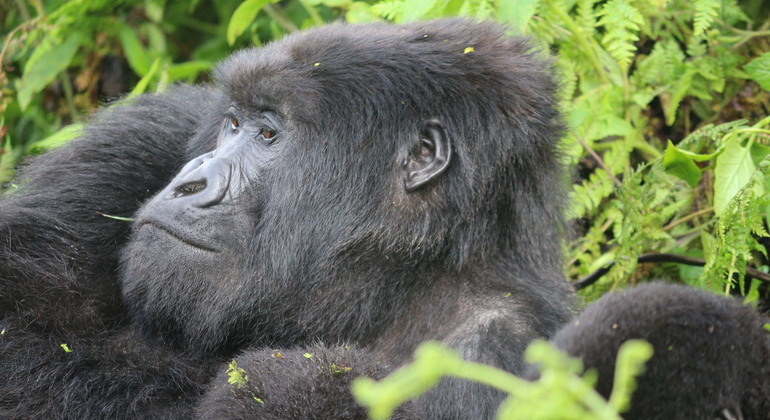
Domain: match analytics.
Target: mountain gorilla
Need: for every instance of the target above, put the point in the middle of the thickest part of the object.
(337, 198)
(371, 186)
(711, 355)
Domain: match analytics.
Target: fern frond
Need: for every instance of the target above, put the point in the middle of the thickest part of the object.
(711, 132)
(390, 9)
(705, 12)
(586, 15)
(480, 9)
(736, 233)
(621, 21)
(586, 198)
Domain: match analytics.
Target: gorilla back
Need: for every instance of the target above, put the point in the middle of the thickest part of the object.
(374, 185)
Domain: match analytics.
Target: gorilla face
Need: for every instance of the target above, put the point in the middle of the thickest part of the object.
(190, 242)
(341, 174)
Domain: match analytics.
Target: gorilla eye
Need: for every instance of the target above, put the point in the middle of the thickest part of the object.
(267, 133)
(234, 124)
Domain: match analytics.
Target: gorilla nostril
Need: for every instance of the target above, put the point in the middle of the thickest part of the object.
(189, 188)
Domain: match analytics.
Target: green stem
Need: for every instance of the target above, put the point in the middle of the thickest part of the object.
(280, 17)
(484, 374)
(23, 10)
(67, 87)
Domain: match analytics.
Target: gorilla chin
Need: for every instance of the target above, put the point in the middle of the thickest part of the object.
(160, 265)
(157, 227)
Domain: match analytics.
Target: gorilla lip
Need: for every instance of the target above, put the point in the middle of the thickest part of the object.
(175, 235)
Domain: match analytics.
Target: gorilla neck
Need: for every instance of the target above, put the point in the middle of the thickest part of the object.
(397, 299)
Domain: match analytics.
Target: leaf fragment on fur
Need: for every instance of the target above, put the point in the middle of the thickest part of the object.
(235, 375)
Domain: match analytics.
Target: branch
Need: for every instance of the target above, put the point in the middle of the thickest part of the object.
(590, 279)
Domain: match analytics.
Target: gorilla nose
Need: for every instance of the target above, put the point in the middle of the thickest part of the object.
(202, 183)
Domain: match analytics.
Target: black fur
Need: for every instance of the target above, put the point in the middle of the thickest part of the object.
(373, 185)
(317, 379)
(711, 354)
(351, 226)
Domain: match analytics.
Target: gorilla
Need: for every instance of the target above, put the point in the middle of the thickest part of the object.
(365, 186)
(711, 355)
(333, 200)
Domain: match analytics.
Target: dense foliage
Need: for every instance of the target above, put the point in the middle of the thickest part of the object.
(666, 103)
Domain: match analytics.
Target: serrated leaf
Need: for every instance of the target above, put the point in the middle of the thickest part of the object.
(46, 67)
(671, 102)
(136, 55)
(243, 16)
(680, 165)
(705, 13)
(759, 70)
(733, 170)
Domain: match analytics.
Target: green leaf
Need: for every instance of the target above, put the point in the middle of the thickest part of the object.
(154, 9)
(361, 12)
(416, 10)
(705, 13)
(629, 364)
(759, 70)
(146, 79)
(119, 218)
(621, 21)
(671, 103)
(242, 18)
(516, 13)
(733, 170)
(188, 69)
(136, 55)
(46, 67)
(56, 139)
(677, 163)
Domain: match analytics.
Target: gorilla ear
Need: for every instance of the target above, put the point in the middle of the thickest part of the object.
(428, 159)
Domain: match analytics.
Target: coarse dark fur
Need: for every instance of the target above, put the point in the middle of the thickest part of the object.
(372, 185)
(711, 354)
(315, 377)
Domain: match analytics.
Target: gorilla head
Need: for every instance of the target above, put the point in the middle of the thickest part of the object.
(344, 171)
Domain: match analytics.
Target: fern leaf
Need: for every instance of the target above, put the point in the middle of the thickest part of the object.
(705, 12)
(389, 9)
(621, 21)
(586, 15)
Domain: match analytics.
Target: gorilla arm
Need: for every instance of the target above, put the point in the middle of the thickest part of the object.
(307, 383)
(54, 237)
(65, 347)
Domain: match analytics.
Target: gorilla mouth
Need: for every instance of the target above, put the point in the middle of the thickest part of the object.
(176, 236)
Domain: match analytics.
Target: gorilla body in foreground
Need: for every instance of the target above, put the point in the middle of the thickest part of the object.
(366, 187)
(711, 355)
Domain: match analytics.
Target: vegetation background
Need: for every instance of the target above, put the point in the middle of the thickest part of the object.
(666, 103)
